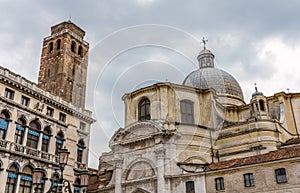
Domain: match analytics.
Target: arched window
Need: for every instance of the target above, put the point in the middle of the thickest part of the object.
(261, 105)
(80, 148)
(187, 111)
(50, 47)
(144, 110)
(26, 180)
(33, 134)
(34, 125)
(20, 130)
(80, 51)
(46, 139)
(73, 46)
(12, 176)
(59, 141)
(4, 120)
(58, 44)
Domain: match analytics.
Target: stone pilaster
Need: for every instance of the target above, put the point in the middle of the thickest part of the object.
(118, 175)
(3, 174)
(25, 136)
(160, 161)
(39, 146)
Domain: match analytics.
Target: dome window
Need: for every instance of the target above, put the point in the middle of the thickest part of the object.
(261, 105)
(144, 110)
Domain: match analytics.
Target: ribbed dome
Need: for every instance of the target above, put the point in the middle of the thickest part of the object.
(208, 77)
(217, 79)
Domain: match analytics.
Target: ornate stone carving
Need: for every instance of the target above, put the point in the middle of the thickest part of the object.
(140, 170)
(39, 106)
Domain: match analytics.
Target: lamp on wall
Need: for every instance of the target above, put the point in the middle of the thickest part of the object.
(60, 185)
(84, 180)
(38, 174)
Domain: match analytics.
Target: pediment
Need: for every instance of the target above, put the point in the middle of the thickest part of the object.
(136, 132)
(139, 132)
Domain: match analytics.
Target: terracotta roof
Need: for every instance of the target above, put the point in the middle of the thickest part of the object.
(93, 186)
(292, 141)
(284, 153)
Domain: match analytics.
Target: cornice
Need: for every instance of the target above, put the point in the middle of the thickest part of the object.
(31, 111)
(20, 83)
(67, 31)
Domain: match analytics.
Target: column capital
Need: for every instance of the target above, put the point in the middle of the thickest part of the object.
(118, 162)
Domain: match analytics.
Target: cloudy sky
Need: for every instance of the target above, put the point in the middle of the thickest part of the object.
(136, 43)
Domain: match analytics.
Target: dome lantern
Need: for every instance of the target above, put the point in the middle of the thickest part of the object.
(205, 57)
(207, 76)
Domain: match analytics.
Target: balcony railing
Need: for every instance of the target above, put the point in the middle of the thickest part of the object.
(25, 151)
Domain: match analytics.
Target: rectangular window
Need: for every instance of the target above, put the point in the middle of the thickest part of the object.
(249, 180)
(19, 134)
(25, 184)
(32, 141)
(219, 184)
(190, 187)
(281, 115)
(187, 111)
(11, 183)
(62, 117)
(82, 126)
(45, 143)
(280, 175)
(2, 134)
(49, 111)
(9, 94)
(25, 101)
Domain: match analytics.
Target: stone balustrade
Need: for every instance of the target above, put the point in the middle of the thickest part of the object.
(25, 151)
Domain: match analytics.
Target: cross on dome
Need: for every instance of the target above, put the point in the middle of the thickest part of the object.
(204, 42)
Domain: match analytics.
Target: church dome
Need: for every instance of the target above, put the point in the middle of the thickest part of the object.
(208, 77)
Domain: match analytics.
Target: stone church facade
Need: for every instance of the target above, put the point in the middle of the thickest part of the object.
(37, 120)
(201, 136)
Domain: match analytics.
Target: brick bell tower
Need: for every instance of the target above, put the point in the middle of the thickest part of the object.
(64, 63)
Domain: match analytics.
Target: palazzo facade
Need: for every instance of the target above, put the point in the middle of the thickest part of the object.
(39, 119)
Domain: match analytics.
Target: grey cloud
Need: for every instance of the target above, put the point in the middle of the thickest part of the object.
(24, 24)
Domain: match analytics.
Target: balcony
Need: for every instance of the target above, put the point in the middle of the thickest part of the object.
(25, 151)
